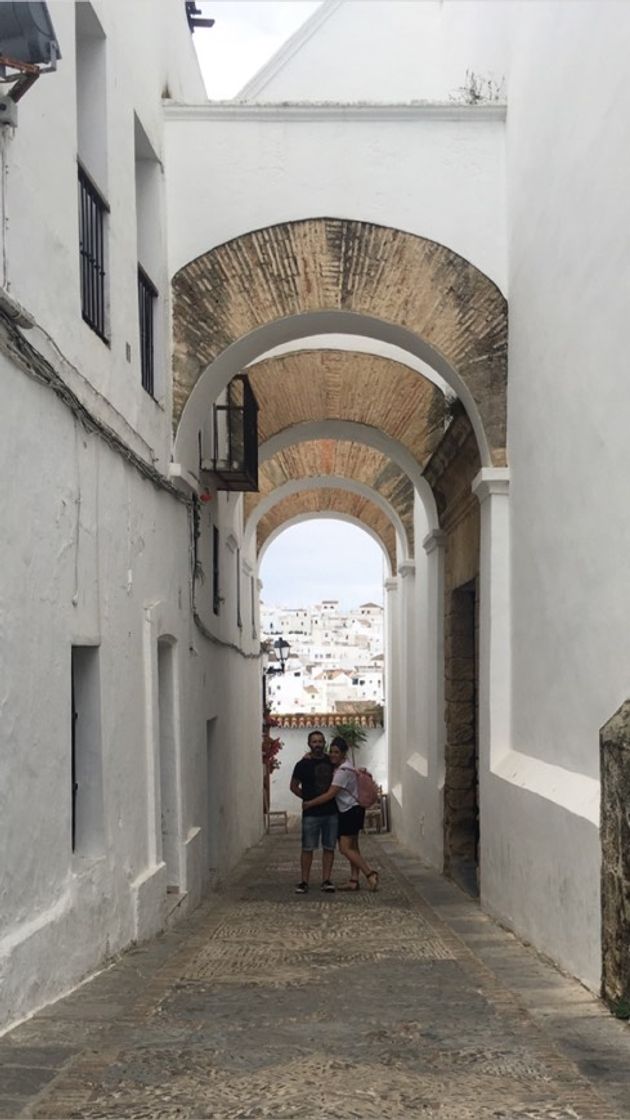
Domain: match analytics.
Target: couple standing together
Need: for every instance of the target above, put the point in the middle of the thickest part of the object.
(328, 787)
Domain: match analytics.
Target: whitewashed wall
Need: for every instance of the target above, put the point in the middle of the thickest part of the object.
(569, 413)
(436, 45)
(442, 179)
(418, 757)
(149, 53)
(93, 554)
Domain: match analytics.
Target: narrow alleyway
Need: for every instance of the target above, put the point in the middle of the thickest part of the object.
(406, 1003)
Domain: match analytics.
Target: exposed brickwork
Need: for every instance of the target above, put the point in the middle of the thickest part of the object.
(340, 385)
(334, 501)
(450, 473)
(329, 263)
(344, 459)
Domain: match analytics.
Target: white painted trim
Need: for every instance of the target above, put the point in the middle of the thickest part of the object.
(298, 112)
(435, 539)
(489, 481)
(177, 473)
(577, 793)
(288, 49)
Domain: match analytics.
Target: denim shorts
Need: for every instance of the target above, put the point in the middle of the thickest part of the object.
(315, 829)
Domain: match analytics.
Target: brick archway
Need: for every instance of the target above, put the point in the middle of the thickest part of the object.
(416, 289)
(326, 515)
(333, 503)
(354, 462)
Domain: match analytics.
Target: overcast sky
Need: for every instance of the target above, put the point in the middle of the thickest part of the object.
(322, 559)
(245, 35)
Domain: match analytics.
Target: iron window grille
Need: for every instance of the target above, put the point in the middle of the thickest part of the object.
(147, 296)
(92, 211)
(235, 438)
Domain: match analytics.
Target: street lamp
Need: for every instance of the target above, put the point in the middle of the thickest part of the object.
(281, 650)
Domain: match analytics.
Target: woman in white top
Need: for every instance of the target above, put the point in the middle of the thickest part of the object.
(344, 788)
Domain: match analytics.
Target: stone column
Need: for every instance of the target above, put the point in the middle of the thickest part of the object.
(392, 678)
(495, 649)
(409, 673)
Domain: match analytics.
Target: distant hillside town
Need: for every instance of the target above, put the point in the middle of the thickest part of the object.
(335, 661)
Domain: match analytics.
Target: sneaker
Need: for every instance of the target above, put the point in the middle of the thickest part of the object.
(301, 888)
(328, 886)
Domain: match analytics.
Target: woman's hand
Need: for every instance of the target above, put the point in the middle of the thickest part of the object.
(307, 804)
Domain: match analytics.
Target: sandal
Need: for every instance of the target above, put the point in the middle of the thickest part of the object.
(372, 879)
(352, 885)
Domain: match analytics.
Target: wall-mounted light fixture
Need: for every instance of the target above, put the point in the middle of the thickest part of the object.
(28, 48)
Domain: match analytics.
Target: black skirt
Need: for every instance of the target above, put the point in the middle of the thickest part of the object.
(351, 822)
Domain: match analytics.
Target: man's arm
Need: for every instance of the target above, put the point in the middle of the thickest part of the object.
(296, 787)
(296, 782)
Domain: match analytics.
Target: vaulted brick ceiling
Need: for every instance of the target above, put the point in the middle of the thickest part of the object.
(324, 501)
(388, 276)
(341, 459)
(417, 286)
(312, 385)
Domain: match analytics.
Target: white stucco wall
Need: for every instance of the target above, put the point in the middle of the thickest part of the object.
(440, 178)
(345, 52)
(418, 756)
(41, 208)
(568, 421)
(93, 554)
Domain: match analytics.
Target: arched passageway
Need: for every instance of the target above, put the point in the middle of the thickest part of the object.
(367, 437)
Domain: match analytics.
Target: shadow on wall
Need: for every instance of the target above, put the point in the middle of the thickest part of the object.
(372, 754)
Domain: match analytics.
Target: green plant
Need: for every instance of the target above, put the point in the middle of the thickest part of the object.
(354, 735)
(621, 1009)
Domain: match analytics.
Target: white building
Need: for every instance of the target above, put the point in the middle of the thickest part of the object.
(325, 641)
(492, 470)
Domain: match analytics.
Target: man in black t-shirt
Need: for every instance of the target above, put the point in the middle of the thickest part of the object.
(312, 776)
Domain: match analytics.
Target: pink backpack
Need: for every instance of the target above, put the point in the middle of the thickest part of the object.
(367, 789)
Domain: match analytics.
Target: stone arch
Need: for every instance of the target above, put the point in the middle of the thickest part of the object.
(370, 512)
(301, 278)
(330, 501)
(342, 459)
(326, 515)
(357, 433)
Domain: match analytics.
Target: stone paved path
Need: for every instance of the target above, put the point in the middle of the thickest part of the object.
(406, 1003)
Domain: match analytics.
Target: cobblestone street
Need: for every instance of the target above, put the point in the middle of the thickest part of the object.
(409, 1002)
